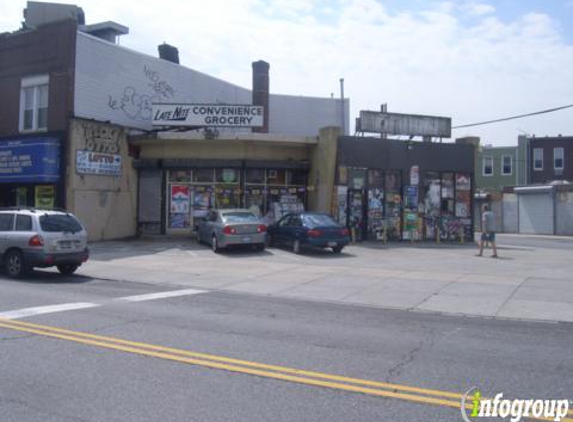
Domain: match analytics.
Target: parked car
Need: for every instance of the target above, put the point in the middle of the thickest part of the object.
(232, 227)
(41, 238)
(312, 229)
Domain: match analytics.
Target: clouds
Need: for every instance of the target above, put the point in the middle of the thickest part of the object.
(463, 59)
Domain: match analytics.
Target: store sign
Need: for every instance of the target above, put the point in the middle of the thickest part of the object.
(30, 160)
(89, 162)
(404, 124)
(220, 115)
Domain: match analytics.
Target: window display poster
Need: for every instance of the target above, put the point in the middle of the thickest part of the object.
(410, 225)
(341, 197)
(180, 198)
(179, 221)
(375, 211)
(463, 203)
(463, 181)
(415, 175)
(411, 198)
(44, 197)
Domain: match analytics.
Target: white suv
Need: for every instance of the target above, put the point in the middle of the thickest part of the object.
(41, 238)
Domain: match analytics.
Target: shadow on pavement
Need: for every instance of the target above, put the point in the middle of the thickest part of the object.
(39, 276)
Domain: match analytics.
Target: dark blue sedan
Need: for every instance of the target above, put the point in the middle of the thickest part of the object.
(312, 229)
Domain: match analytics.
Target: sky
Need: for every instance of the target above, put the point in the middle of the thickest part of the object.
(469, 60)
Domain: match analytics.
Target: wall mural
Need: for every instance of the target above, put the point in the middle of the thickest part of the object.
(137, 105)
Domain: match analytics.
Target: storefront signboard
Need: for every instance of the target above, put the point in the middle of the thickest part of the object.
(98, 163)
(30, 160)
(207, 115)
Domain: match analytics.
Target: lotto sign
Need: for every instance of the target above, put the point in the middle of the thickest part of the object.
(89, 162)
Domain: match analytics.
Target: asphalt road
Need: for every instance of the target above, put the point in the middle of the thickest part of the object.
(163, 374)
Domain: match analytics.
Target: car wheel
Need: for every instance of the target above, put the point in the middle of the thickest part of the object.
(260, 247)
(337, 249)
(296, 246)
(67, 269)
(15, 265)
(215, 244)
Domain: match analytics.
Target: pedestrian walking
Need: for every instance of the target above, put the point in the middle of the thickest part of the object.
(487, 230)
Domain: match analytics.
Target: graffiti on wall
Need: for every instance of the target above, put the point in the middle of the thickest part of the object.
(159, 86)
(101, 138)
(137, 105)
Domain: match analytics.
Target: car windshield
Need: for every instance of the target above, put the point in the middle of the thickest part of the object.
(319, 220)
(240, 217)
(59, 223)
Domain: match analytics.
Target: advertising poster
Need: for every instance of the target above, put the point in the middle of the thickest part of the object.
(180, 198)
(44, 197)
(179, 221)
(411, 198)
(342, 193)
(375, 213)
(415, 175)
(463, 181)
(410, 225)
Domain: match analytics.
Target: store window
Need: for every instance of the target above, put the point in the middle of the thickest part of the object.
(558, 158)
(226, 175)
(34, 103)
(506, 165)
(538, 159)
(180, 176)
(447, 202)
(487, 166)
(276, 177)
(297, 177)
(376, 179)
(255, 176)
(463, 195)
(205, 175)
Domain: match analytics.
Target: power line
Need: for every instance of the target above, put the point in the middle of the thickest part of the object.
(514, 117)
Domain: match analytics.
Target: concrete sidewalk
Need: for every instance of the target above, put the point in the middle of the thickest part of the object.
(526, 282)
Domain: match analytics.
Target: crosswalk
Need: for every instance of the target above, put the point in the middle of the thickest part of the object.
(65, 307)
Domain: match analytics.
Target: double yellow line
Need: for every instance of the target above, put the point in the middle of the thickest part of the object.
(318, 379)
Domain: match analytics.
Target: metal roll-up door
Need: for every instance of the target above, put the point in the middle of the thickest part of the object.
(149, 215)
(536, 212)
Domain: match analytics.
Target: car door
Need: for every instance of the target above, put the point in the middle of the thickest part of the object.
(6, 227)
(296, 229)
(281, 232)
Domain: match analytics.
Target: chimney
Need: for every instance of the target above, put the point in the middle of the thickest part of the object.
(261, 92)
(168, 52)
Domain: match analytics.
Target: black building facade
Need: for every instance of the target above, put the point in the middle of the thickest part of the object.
(390, 189)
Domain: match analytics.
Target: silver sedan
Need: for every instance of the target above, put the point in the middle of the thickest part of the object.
(230, 227)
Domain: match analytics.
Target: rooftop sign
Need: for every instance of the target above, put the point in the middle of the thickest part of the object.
(220, 115)
(404, 124)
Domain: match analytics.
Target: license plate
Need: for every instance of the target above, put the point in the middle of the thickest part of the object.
(332, 244)
(246, 239)
(66, 244)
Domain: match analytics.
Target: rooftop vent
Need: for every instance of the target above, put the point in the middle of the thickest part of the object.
(168, 52)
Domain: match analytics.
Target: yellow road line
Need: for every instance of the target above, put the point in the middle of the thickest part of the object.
(216, 358)
(228, 364)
